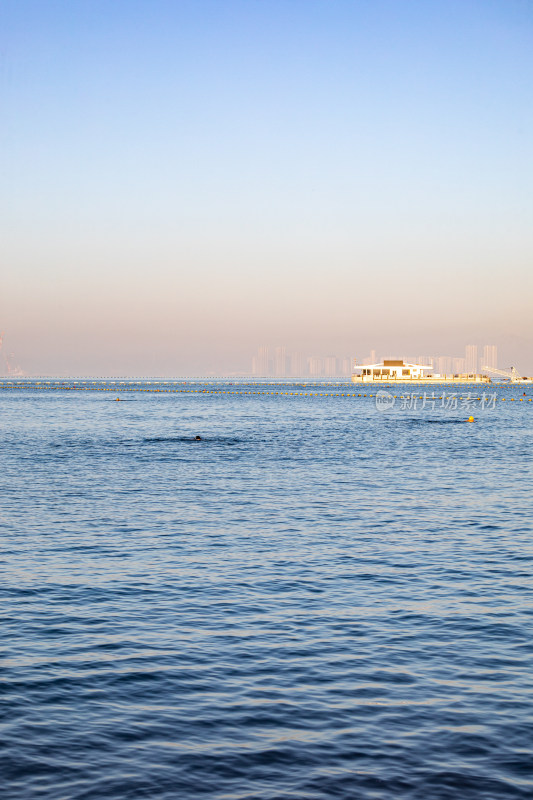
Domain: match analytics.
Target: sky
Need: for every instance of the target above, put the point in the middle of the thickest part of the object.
(182, 182)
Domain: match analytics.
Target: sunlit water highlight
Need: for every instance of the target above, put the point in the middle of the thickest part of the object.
(317, 600)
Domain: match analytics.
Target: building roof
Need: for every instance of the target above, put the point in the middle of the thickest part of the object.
(388, 364)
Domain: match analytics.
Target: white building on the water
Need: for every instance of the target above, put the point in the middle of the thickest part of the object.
(398, 370)
(391, 369)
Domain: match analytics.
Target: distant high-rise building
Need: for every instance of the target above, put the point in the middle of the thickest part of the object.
(346, 367)
(443, 365)
(371, 359)
(296, 365)
(471, 358)
(315, 366)
(280, 362)
(459, 366)
(490, 356)
(330, 366)
(261, 364)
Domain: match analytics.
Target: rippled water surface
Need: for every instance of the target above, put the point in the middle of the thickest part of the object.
(317, 600)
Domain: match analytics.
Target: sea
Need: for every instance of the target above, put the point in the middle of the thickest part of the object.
(327, 595)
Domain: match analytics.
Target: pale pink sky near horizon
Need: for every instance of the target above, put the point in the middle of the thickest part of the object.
(183, 184)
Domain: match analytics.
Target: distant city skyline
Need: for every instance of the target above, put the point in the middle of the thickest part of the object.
(281, 362)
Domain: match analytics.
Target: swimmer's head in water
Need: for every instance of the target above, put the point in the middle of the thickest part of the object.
(198, 438)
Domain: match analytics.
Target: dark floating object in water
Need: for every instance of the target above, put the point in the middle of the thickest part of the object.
(230, 441)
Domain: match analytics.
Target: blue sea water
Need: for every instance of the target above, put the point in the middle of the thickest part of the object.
(317, 600)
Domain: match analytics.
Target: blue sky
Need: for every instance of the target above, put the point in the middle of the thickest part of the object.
(185, 181)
